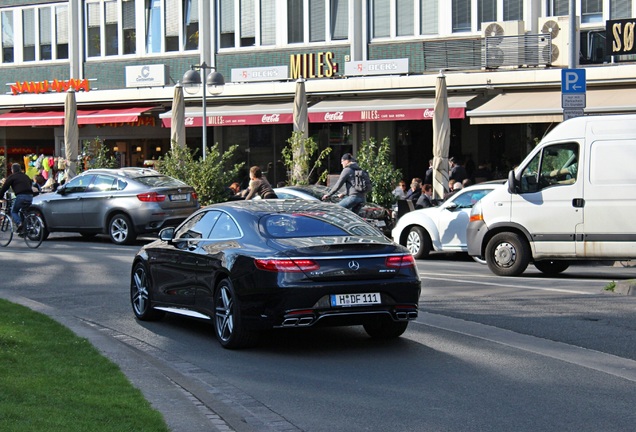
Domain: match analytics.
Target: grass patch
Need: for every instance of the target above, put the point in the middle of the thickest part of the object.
(51, 380)
(610, 286)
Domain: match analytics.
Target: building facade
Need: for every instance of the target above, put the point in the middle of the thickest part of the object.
(370, 68)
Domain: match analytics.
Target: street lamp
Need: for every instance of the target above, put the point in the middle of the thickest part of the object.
(214, 82)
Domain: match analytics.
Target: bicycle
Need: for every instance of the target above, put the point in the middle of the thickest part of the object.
(32, 229)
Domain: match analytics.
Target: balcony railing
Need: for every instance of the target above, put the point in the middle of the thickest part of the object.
(489, 53)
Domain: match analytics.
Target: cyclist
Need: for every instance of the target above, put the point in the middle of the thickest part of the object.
(352, 198)
(22, 187)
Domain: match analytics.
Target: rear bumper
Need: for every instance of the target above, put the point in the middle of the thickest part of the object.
(356, 316)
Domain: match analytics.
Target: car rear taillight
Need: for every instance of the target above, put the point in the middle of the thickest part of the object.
(194, 196)
(401, 261)
(286, 265)
(151, 197)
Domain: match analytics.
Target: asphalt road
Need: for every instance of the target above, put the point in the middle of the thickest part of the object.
(486, 354)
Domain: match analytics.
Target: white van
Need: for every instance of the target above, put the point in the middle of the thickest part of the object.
(572, 198)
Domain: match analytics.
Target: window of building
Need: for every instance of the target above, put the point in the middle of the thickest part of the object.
(42, 33)
(558, 7)
(496, 10)
(61, 32)
(7, 36)
(591, 11)
(28, 35)
(317, 31)
(110, 28)
(620, 9)
(295, 21)
(171, 25)
(268, 22)
(381, 18)
(247, 23)
(513, 10)
(461, 16)
(486, 11)
(429, 12)
(394, 18)
(405, 13)
(45, 26)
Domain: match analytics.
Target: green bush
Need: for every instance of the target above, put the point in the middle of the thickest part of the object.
(95, 155)
(376, 159)
(210, 177)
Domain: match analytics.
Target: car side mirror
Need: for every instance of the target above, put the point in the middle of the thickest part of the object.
(61, 190)
(451, 206)
(514, 185)
(167, 234)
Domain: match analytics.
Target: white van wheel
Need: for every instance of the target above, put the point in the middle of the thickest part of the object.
(507, 254)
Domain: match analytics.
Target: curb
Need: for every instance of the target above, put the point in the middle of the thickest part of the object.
(626, 287)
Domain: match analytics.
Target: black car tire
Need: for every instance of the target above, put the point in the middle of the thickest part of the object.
(385, 328)
(141, 294)
(121, 230)
(418, 242)
(507, 254)
(228, 322)
(551, 267)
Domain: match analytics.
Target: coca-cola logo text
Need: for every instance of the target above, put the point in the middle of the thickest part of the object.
(270, 118)
(334, 116)
(428, 113)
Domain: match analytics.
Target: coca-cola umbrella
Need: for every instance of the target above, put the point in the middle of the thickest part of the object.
(441, 138)
(71, 134)
(177, 125)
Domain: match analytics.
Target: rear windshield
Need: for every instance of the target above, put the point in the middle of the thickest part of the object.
(160, 181)
(313, 224)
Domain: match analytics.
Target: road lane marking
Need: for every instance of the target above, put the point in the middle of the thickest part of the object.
(473, 282)
(591, 359)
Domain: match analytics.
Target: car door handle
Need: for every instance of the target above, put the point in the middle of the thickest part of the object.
(578, 202)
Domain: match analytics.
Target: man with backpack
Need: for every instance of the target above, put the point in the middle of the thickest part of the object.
(356, 182)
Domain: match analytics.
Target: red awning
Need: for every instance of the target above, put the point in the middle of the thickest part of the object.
(372, 110)
(236, 115)
(84, 117)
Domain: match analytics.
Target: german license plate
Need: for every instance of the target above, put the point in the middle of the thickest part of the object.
(355, 299)
(178, 197)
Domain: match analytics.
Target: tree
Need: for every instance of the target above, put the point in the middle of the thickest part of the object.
(376, 159)
(209, 177)
(298, 157)
(95, 155)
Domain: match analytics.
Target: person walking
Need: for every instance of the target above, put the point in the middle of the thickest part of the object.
(22, 187)
(352, 197)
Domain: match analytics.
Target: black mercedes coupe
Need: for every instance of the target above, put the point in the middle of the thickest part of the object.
(250, 266)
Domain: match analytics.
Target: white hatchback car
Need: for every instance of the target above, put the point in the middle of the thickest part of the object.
(441, 228)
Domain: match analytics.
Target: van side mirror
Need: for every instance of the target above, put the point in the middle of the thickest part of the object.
(514, 185)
